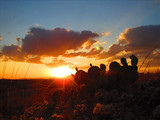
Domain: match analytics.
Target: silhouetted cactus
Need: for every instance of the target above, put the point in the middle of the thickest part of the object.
(102, 70)
(114, 76)
(94, 78)
(124, 62)
(129, 73)
(114, 67)
(126, 72)
(94, 72)
(103, 76)
(81, 77)
(134, 68)
(102, 67)
(134, 60)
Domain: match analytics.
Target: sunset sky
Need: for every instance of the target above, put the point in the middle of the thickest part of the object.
(37, 36)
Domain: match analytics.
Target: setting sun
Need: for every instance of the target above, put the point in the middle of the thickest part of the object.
(61, 72)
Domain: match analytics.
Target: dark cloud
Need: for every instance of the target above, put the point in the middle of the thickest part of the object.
(144, 37)
(13, 52)
(139, 40)
(55, 42)
(112, 51)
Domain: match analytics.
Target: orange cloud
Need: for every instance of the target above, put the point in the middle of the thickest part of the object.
(94, 52)
(34, 59)
(89, 43)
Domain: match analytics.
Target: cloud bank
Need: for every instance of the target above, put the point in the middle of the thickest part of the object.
(144, 37)
(137, 40)
(55, 42)
(39, 43)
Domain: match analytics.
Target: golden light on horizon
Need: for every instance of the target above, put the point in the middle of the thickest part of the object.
(62, 72)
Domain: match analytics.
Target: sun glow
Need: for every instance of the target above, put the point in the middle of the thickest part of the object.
(61, 72)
